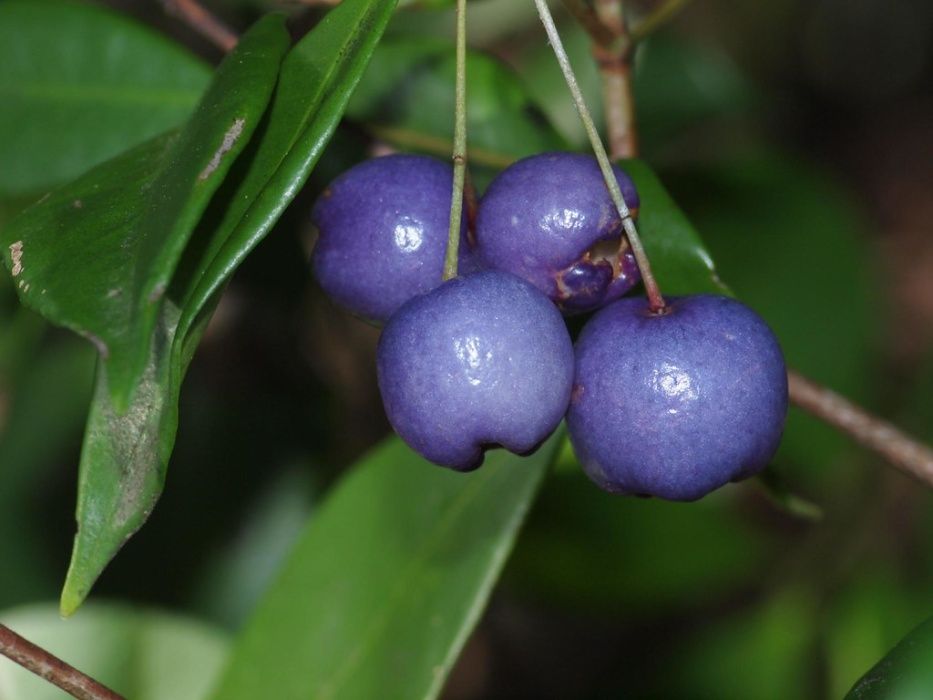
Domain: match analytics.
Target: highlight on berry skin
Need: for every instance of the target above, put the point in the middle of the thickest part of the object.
(382, 233)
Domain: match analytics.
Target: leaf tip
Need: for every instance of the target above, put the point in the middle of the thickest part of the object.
(72, 597)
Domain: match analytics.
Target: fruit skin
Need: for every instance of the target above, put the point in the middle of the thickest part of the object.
(680, 404)
(541, 218)
(382, 233)
(482, 360)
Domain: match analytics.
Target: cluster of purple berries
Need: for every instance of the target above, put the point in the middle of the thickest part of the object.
(672, 405)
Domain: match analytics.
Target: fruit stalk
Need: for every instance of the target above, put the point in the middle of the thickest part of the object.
(459, 151)
(655, 300)
(878, 435)
(203, 22)
(37, 660)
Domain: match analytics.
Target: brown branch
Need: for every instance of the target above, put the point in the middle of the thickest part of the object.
(898, 448)
(207, 25)
(51, 668)
(615, 70)
(612, 49)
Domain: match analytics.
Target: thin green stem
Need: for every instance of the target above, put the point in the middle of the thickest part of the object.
(655, 300)
(459, 153)
(657, 18)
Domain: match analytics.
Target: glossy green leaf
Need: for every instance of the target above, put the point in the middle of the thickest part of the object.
(906, 673)
(140, 654)
(318, 76)
(97, 255)
(314, 85)
(383, 588)
(78, 85)
(407, 97)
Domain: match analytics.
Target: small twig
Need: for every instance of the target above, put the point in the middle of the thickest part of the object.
(615, 69)
(194, 15)
(872, 432)
(655, 300)
(662, 14)
(459, 150)
(51, 668)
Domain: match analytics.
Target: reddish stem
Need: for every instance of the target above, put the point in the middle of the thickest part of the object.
(36, 659)
(207, 25)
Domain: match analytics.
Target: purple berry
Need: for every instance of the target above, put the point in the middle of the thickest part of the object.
(550, 220)
(482, 361)
(676, 405)
(382, 233)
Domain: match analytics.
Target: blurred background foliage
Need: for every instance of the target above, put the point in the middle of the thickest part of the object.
(798, 137)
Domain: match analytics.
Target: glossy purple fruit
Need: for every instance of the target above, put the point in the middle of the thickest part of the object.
(550, 220)
(482, 361)
(382, 233)
(676, 405)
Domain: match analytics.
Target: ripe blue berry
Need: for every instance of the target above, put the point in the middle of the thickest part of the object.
(676, 405)
(382, 233)
(550, 220)
(483, 360)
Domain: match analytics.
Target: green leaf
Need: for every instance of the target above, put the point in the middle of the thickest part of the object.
(125, 455)
(906, 673)
(385, 585)
(140, 654)
(97, 255)
(80, 84)
(407, 97)
(318, 76)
